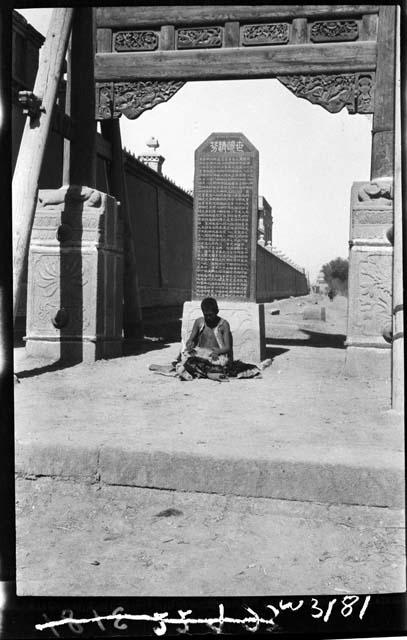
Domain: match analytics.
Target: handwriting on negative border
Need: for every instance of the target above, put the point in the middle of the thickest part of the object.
(346, 606)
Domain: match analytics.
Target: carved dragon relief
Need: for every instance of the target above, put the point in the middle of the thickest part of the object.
(132, 98)
(355, 91)
(333, 92)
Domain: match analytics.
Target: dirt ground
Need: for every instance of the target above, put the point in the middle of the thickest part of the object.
(79, 538)
(305, 401)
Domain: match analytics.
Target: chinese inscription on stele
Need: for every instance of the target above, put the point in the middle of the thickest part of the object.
(225, 217)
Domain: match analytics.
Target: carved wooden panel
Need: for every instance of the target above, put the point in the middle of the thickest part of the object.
(334, 31)
(335, 91)
(135, 41)
(264, 34)
(132, 98)
(204, 38)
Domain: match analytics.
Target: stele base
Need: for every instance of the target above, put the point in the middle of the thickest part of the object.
(246, 321)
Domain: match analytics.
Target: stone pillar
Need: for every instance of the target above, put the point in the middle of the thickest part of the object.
(75, 275)
(370, 280)
(225, 240)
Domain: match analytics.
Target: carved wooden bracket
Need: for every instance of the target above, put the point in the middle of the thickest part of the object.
(132, 98)
(333, 92)
(355, 91)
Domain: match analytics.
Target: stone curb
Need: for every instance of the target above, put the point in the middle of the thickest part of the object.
(282, 479)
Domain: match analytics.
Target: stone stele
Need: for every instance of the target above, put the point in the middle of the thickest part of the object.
(225, 220)
(75, 275)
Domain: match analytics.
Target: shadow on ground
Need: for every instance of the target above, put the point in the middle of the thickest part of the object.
(138, 347)
(273, 352)
(315, 339)
(130, 348)
(37, 371)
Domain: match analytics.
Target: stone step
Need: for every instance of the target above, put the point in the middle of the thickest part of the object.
(314, 475)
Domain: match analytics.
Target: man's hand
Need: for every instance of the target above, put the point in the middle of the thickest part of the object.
(190, 347)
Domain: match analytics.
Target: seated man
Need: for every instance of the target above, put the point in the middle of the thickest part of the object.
(211, 334)
(208, 352)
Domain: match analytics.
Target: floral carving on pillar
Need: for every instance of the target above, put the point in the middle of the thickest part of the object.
(375, 294)
(333, 92)
(132, 98)
(48, 291)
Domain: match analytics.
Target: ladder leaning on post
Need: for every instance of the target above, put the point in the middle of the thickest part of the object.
(32, 148)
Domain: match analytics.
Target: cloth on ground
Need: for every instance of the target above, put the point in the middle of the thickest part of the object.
(200, 364)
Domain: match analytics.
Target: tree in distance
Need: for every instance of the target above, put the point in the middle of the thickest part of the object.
(336, 276)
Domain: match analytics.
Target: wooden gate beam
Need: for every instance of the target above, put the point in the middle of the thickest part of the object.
(259, 62)
(32, 147)
(151, 16)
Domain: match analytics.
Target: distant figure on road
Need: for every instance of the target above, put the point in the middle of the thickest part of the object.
(331, 294)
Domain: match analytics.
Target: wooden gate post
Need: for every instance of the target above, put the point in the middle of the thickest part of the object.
(382, 160)
(132, 313)
(398, 335)
(80, 156)
(32, 148)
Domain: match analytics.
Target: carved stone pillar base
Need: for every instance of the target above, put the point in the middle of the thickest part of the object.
(75, 276)
(368, 363)
(74, 350)
(246, 321)
(370, 279)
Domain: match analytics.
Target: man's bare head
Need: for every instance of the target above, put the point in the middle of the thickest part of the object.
(210, 310)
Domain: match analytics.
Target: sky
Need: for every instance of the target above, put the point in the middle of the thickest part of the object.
(308, 157)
